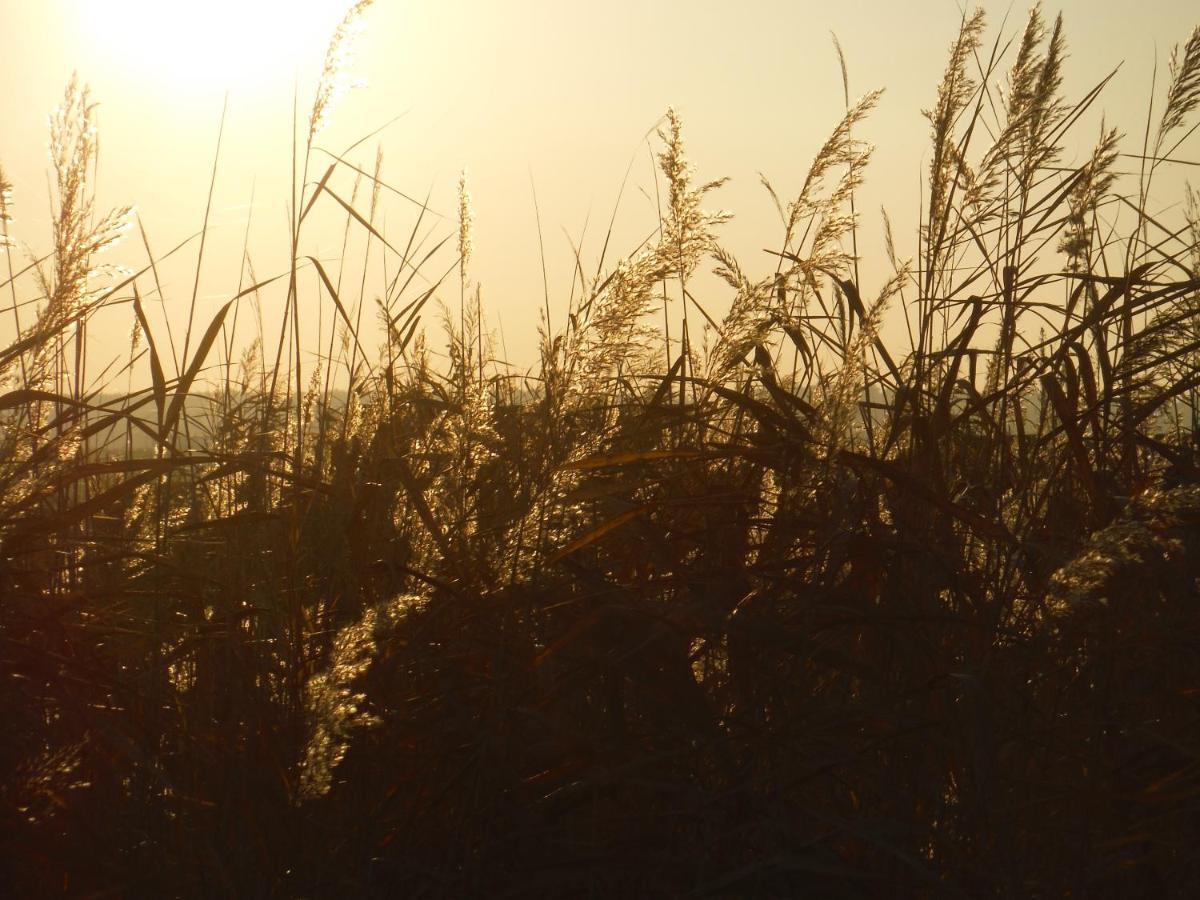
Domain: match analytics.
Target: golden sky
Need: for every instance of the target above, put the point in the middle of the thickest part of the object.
(559, 93)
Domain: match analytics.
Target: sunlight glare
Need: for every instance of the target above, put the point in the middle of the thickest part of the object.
(237, 45)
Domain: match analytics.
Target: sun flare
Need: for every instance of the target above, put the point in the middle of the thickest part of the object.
(218, 44)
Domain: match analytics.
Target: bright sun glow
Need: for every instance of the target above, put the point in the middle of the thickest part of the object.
(212, 44)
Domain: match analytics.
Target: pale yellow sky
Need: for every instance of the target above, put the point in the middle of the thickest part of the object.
(560, 90)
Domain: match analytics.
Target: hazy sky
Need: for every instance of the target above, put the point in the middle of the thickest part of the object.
(560, 90)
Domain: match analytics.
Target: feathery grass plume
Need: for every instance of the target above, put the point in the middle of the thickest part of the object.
(615, 334)
(44, 780)
(77, 236)
(840, 149)
(1170, 341)
(1187, 334)
(1034, 107)
(1184, 94)
(334, 81)
(6, 199)
(1096, 179)
(468, 340)
(687, 234)
(688, 230)
(610, 331)
(466, 246)
(953, 96)
(816, 224)
(1142, 546)
(838, 218)
(975, 188)
(1026, 67)
(750, 318)
(675, 165)
(334, 707)
(849, 382)
(6, 246)
(466, 219)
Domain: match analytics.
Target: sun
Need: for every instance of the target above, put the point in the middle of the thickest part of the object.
(235, 45)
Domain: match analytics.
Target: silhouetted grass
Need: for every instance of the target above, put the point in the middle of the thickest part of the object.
(763, 606)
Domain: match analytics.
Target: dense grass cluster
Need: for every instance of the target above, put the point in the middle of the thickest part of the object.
(759, 604)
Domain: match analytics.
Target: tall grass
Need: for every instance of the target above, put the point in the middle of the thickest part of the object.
(764, 604)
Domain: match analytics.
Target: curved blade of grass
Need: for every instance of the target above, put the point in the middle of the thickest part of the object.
(596, 533)
(156, 371)
(337, 302)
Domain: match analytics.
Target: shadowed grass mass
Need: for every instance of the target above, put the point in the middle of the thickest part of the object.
(754, 604)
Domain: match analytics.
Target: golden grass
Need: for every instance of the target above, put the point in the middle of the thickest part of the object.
(763, 606)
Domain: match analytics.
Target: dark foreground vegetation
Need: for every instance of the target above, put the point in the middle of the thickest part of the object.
(761, 605)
